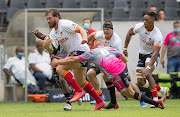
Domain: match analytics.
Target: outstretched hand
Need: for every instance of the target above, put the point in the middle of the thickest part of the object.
(54, 62)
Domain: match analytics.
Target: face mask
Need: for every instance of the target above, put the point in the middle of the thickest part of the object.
(20, 55)
(177, 30)
(86, 25)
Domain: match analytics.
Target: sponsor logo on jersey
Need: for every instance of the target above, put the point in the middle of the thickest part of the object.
(63, 40)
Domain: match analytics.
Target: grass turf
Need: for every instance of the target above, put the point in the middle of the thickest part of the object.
(128, 108)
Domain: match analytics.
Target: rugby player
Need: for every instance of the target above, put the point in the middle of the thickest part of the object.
(113, 64)
(150, 44)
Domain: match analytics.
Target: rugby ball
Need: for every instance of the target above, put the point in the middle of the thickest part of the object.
(54, 45)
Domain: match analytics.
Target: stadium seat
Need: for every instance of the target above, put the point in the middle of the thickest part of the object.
(69, 4)
(10, 13)
(34, 4)
(17, 4)
(86, 4)
(171, 14)
(170, 4)
(52, 4)
(103, 4)
(3, 10)
(118, 14)
(138, 4)
(156, 3)
(121, 4)
(98, 16)
(135, 14)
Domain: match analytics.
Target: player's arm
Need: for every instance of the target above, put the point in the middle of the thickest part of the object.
(123, 58)
(91, 36)
(156, 49)
(127, 40)
(162, 54)
(46, 44)
(83, 33)
(66, 61)
(38, 34)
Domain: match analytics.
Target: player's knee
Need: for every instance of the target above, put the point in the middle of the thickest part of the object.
(91, 73)
(59, 70)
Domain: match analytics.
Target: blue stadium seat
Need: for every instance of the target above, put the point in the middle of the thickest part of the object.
(156, 3)
(3, 10)
(69, 4)
(103, 4)
(170, 4)
(17, 4)
(121, 4)
(171, 14)
(118, 14)
(98, 16)
(34, 4)
(52, 4)
(135, 14)
(138, 4)
(86, 4)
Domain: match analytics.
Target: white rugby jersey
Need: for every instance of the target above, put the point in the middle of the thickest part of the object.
(114, 41)
(67, 36)
(148, 39)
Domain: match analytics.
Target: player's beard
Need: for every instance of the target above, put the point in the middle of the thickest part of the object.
(53, 24)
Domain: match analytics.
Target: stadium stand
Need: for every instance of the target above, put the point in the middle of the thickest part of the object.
(17, 4)
(121, 4)
(156, 3)
(171, 14)
(138, 4)
(103, 4)
(34, 4)
(170, 4)
(118, 14)
(11, 12)
(3, 11)
(86, 4)
(52, 4)
(69, 4)
(106, 16)
(135, 14)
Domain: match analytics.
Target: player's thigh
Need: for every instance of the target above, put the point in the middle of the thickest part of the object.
(62, 68)
(80, 75)
(106, 79)
(91, 73)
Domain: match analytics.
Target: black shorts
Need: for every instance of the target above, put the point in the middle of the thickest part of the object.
(143, 58)
(76, 53)
(121, 81)
(96, 69)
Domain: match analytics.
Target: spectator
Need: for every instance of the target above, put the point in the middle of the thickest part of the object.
(39, 62)
(161, 14)
(152, 8)
(87, 23)
(172, 45)
(15, 69)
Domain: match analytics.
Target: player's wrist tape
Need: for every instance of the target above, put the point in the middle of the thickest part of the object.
(148, 67)
(124, 49)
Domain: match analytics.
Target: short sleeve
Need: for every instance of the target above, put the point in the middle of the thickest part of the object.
(117, 53)
(86, 56)
(166, 40)
(158, 40)
(137, 27)
(117, 43)
(9, 63)
(69, 26)
(99, 35)
(31, 58)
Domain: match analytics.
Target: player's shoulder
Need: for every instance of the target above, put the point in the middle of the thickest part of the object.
(139, 25)
(116, 36)
(157, 31)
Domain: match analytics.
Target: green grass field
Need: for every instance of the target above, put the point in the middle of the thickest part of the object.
(128, 108)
